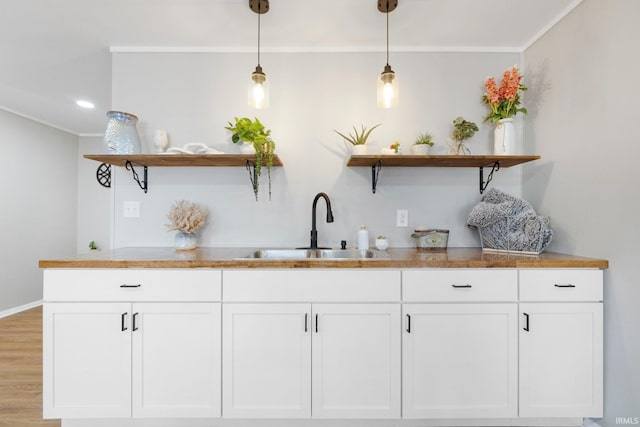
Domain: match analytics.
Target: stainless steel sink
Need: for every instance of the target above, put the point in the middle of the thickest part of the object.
(347, 254)
(282, 254)
(328, 254)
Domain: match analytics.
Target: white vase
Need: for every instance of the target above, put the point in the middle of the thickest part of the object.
(247, 148)
(504, 138)
(360, 150)
(185, 241)
(382, 244)
(420, 149)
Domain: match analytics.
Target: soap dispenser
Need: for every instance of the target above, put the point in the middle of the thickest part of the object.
(363, 238)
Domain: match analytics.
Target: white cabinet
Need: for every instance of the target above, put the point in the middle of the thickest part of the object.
(86, 360)
(561, 343)
(266, 360)
(106, 355)
(460, 343)
(460, 360)
(356, 361)
(176, 360)
(121, 360)
(269, 366)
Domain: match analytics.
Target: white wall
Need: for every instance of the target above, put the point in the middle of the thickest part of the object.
(95, 211)
(192, 96)
(38, 189)
(583, 115)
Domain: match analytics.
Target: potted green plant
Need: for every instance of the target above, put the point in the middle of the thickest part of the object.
(254, 133)
(462, 130)
(359, 139)
(422, 144)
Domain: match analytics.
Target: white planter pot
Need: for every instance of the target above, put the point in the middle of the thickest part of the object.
(247, 148)
(504, 138)
(420, 149)
(360, 150)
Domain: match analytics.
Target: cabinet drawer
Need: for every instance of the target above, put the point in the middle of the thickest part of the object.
(337, 285)
(172, 285)
(561, 285)
(459, 285)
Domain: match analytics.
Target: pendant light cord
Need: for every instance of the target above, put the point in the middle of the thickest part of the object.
(387, 32)
(259, 13)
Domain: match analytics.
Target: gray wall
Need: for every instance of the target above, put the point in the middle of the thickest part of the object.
(583, 114)
(192, 96)
(38, 189)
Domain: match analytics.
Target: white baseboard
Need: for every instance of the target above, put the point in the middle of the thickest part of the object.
(20, 308)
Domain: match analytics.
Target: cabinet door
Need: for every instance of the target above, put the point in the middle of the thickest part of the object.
(266, 360)
(460, 360)
(176, 360)
(561, 360)
(87, 360)
(356, 361)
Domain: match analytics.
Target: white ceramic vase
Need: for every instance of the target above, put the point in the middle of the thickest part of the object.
(504, 138)
(247, 148)
(185, 241)
(360, 150)
(160, 140)
(420, 149)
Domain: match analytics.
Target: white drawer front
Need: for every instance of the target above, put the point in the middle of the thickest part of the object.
(339, 285)
(132, 285)
(459, 285)
(561, 285)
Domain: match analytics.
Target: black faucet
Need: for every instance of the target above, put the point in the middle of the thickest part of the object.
(314, 231)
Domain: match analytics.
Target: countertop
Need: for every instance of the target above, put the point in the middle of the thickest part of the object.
(397, 258)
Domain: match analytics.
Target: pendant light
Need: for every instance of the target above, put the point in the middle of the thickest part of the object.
(388, 81)
(258, 94)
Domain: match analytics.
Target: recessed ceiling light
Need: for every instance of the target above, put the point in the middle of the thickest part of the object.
(85, 104)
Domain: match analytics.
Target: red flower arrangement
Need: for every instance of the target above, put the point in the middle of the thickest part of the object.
(504, 100)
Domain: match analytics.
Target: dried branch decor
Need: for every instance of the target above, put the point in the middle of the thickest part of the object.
(186, 217)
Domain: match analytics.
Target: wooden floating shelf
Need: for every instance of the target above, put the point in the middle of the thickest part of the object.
(169, 160)
(377, 161)
(399, 160)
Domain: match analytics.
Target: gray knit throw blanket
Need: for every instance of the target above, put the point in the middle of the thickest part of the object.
(508, 223)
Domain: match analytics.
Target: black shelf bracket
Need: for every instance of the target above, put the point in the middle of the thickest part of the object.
(483, 185)
(128, 165)
(103, 175)
(375, 174)
(251, 167)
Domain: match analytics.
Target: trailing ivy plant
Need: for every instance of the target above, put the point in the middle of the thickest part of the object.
(254, 132)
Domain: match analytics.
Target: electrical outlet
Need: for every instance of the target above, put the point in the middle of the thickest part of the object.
(402, 218)
(131, 210)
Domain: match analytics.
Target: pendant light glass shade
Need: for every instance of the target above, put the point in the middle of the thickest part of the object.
(388, 88)
(258, 92)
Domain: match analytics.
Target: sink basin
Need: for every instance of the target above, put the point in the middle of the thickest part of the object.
(282, 254)
(328, 254)
(347, 254)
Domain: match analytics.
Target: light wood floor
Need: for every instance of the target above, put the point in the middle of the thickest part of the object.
(21, 370)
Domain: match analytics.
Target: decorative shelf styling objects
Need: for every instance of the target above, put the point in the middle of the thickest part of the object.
(468, 161)
(174, 160)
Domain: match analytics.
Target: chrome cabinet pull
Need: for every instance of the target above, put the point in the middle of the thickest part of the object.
(123, 318)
